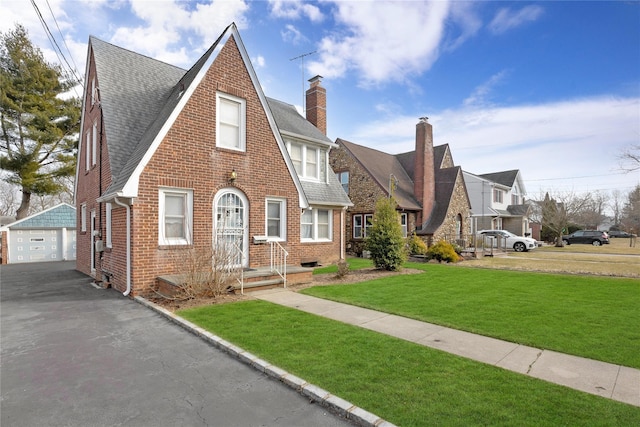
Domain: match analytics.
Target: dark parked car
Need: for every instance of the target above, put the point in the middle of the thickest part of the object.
(615, 233)
(590, 237)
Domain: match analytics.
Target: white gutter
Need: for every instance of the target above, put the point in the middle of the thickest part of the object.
(119, 203)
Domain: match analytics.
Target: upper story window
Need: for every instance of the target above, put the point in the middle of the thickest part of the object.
(94, 144)
(87, 151)
(175, 216)
(309, 162)
(230, 122)
(343, 178)
(515, 199)
(498, 196)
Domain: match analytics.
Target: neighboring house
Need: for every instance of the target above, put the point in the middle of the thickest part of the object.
(498, 202)
(172, 160)
(49, 235)
(428, 188)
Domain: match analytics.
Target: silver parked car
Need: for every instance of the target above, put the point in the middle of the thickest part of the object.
(506, 239)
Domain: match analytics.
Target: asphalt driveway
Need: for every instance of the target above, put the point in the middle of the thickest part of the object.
(73, 355)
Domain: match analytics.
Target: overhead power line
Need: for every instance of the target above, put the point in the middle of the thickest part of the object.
(56, 48)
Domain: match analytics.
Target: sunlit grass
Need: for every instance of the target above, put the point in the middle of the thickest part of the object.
(404, 383)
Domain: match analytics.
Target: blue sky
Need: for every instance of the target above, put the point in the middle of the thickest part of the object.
(550, 88)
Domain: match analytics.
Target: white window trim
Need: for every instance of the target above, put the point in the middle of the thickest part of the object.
(314, 231)
(283, 219)
(108, 242)
(353, 226)
(87, 154)
(364, 224)
(94, 144)
(242, 132)
(83, 217)
(404, 223)
(188, 239)
(321, 158)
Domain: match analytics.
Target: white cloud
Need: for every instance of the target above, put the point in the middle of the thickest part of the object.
(258, 61)
(382, 40)
(295, 9)
(292, 35)
(568, 145)
(479, 97)
(164, 27)
(507, 19)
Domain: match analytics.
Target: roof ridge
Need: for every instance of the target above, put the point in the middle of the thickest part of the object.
(94, 38)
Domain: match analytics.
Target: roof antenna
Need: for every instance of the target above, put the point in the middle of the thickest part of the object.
(301, 58)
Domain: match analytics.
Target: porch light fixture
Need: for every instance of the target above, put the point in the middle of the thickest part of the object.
(233, 176)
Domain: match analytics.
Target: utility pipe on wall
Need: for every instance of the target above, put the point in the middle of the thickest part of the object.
(128, 208)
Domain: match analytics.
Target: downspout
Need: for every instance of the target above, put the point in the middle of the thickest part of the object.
(342, 231)
(128, 208)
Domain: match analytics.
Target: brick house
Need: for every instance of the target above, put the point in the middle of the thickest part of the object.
(428, 188)
(498, 202)
(174, 159)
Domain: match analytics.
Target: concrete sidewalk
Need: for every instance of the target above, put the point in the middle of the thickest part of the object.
(600, 378)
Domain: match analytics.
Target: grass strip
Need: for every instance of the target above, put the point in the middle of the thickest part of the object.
(588, 316)
(404, 383)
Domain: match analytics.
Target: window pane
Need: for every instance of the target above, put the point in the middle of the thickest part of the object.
(229, 112)
(296, 157)
(323, 224)
(357, 226)
(174, 216)
(174, 204)
(173, 227)
(312, 163)
(273, 219)
(229, 136)
(306, 228)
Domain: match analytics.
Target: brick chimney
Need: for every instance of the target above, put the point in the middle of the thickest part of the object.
(424, 180)
(316, 100)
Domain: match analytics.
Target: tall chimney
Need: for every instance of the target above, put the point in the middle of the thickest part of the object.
(316, 99)
(424, 180)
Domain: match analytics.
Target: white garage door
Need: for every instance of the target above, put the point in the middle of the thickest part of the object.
(41, 245)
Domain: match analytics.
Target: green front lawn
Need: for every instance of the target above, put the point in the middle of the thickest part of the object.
(404, 383)
(593, 317)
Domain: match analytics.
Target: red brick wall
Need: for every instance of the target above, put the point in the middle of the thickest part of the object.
(188, 154)
(88, 185)
(316, 104)
(4, 247)
(424, 183)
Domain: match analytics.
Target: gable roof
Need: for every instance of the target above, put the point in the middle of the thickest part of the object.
(59, 216)
(133, 82)
(445, 186)
(133, 89)
(292, 124)
(381, 166)
(506, 178)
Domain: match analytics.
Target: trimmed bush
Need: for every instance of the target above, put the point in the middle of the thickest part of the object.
(416, 245)
(385, 242)
(443, 251)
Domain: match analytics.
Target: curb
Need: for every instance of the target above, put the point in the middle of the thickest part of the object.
(336, 404)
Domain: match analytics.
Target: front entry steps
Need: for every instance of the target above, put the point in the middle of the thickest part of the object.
(254, 279)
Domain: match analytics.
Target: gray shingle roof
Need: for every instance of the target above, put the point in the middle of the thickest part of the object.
(506, 178)
(133, 89)
(445, 186)
(380, 166)
(60, 216)
(289, 120)
(138, 95)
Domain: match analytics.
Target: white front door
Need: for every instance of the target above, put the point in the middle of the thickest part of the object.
(231, 228)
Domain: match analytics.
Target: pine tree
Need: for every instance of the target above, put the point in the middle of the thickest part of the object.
(385, 241)
(39, 127)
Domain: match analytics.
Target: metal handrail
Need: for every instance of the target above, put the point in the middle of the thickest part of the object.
(279, 260)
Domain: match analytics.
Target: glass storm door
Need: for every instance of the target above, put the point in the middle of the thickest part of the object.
(231, 231)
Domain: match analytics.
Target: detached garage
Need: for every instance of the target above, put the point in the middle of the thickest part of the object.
(49, 235)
